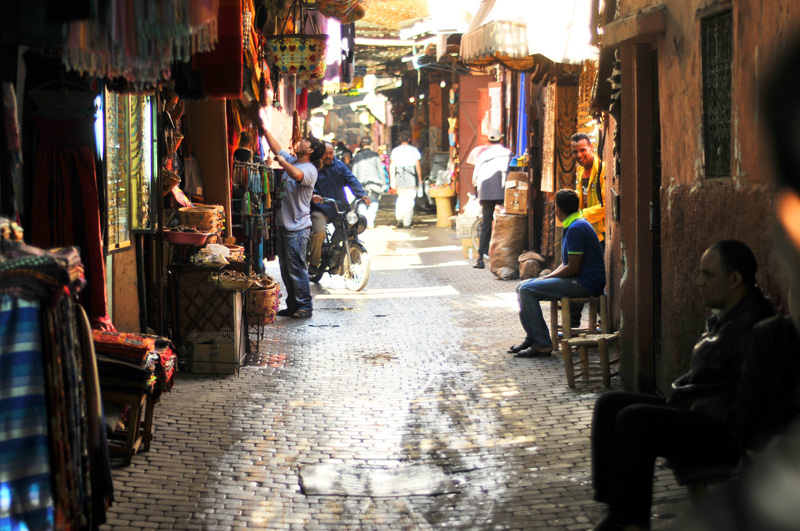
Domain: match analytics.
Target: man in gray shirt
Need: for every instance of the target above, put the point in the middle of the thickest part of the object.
(293, 218)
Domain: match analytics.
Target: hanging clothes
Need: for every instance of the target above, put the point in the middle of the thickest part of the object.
(65, 200)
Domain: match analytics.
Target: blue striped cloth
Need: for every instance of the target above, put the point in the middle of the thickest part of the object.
(26, 499)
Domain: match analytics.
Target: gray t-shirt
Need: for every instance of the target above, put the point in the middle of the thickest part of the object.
(294, 212)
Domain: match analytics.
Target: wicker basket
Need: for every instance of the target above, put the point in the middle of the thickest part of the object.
(263, 304)
(464, 227)
(303, 55)
(228, 281)
(237, 252)
(205, 217)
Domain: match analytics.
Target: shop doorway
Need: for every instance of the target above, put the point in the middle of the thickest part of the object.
(660, 364)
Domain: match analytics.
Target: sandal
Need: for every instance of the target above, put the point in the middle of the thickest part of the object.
(301, 314)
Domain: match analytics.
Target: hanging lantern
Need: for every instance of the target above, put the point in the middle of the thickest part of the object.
(346, 11)
(300, 53)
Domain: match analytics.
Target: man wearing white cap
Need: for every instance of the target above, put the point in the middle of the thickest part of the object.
(489, 179)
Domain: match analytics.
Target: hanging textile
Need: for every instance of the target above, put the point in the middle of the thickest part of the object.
(348, 52)
(522, 116)
(222, 68)
(138, 40)
(65, 200)
(333, 58)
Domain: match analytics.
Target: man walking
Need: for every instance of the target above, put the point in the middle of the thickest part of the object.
(333, 177)
(294, 220)
(368, 169)
(405, 175)
(581, 274)
(489, 180)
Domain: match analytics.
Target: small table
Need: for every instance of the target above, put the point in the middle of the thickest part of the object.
(139, 432)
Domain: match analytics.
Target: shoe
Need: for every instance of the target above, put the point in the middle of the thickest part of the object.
(608, 524)
(301, 314)
(286, 312)
(534, 352)
(313, 270)
(479, 264)
(519, 348)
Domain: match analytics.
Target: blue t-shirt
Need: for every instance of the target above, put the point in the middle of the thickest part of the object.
(294, 213)
(580, 238)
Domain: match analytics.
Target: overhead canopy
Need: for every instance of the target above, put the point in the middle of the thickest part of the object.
(520, 34)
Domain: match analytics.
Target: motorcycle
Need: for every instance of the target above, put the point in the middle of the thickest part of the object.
(342, 252)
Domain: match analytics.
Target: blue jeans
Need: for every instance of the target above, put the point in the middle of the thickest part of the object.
(530, 293)
(292, 246)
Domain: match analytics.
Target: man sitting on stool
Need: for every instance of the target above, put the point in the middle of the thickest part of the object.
(696, 424)
(581, 274)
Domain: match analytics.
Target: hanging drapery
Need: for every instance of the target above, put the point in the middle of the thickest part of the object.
(346, 11)
(65, 198)
(138, 40)
(566, 117)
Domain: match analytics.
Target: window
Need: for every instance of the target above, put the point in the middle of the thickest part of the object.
(717, 42)
(131, 166)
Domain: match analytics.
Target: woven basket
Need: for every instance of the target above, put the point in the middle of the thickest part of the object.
(231, 282)
(303, 55)
(263, 304)
(464, 227)
(237, 252)
(169, 180)
(205, 217)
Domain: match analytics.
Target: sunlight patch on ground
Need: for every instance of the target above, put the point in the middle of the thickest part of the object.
(394, 293)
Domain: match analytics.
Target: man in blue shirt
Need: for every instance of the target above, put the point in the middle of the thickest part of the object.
(332, 179)
(581, 274)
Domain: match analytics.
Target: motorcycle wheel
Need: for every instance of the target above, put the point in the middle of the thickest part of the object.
(356, 273)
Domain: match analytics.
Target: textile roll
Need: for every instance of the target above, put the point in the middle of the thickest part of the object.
(222, 69)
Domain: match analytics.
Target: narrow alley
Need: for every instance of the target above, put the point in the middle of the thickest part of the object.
(393, 408)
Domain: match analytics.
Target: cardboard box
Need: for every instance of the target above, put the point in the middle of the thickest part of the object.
(516, 197)
(214, 356)
(517, 176)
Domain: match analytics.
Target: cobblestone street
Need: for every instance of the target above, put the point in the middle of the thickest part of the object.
(402, 397)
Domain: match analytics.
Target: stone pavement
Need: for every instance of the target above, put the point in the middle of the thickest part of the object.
(407, 380)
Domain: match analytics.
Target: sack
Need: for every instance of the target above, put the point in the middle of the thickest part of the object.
(509, 239)
(530, 265)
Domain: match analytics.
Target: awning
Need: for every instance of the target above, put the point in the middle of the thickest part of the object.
(521, 34)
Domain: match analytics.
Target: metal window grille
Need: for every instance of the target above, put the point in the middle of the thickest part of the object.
(717, 37)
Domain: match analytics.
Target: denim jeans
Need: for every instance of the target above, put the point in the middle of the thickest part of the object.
(292, 246)
(530, 293)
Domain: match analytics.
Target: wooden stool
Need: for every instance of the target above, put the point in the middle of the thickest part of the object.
(595, 303)
(139, 431)
(583, 342)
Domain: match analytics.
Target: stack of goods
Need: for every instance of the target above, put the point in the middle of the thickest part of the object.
(263, 300)
(132, 363)
(237, 253)
(205, 218)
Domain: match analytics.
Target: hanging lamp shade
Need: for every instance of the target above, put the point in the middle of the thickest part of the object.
(346, 11)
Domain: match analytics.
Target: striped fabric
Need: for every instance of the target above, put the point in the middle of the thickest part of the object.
(26, 500)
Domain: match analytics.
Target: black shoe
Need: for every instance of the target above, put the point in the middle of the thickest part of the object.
(519, 348)
(479, 264)
(313, 270)
(534, 352)
(286, 312)
(608, 524)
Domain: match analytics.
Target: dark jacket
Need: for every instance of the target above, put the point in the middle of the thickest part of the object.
(368, 169)
(769, 391)
(710, 387)
(331, 181)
